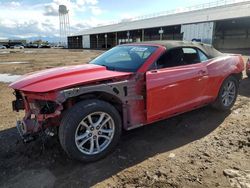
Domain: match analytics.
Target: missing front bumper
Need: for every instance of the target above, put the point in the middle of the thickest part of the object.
(22, 130)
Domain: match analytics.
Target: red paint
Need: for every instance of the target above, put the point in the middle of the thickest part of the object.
(248, 67)
(167, 92)
(63, 77)
(175, 90)
(172, 90)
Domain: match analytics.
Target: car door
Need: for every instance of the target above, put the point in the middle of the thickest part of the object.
(176, 88)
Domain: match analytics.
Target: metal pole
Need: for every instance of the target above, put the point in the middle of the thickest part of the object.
(142, 35)
(67, 28)
(64, 33)
(161, 32)
(77, 42)
(106, 41)
(116, 38)
(128, 35)
(68, 24)
(97, 41)
(62, 29)
(60, 22)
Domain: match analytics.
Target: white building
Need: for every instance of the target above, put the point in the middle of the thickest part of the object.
(225, 24)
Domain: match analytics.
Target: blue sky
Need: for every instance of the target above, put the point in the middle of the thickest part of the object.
(37, 18)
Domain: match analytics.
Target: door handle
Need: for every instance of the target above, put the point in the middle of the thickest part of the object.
(202, 72)
(154, 71)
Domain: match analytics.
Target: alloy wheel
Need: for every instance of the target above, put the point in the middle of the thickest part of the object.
(229, 93)
(94, 133)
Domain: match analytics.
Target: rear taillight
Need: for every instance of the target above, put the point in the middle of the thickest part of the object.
(248, 65)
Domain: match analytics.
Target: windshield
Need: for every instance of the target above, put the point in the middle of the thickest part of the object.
(125, 58)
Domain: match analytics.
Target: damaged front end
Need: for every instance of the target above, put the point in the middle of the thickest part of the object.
(42, 114)
(43, 111)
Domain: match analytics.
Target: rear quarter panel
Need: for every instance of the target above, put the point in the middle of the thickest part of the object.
(248, 66)
(220, 68)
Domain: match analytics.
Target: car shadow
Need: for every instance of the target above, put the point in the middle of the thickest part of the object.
(245, 87)
(135, 146)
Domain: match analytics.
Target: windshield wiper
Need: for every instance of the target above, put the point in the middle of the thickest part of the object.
(111, 68)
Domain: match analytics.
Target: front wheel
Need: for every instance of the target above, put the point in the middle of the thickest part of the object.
(90, 130)
(227, 95)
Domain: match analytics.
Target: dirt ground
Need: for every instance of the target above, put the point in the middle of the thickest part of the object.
(202, 148)
(39, 59)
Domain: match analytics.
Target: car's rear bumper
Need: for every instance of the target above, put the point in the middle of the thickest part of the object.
(248, 69)
(248, 66)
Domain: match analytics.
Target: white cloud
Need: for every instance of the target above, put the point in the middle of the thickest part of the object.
(86, 2)
(77, 5)
(15, 4)
(51, 9)
(23, 21)
(96, 10)
(128, 16)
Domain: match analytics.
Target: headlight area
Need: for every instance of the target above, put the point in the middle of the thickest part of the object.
(42, 107)
(19, 103)
(41, 116)
(44, 112)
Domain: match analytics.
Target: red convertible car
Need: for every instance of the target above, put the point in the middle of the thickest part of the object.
(126, 87)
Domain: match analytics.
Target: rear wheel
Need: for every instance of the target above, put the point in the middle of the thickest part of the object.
(90, 130)
(228, 94)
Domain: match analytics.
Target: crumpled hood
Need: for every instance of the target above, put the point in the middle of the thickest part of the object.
(63, 77)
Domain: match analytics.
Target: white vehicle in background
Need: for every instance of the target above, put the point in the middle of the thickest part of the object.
(2, 47)
(17, 46)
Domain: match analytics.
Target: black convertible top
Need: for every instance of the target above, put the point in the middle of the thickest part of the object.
(209, 50)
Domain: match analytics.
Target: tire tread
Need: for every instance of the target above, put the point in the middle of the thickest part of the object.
(218, 103)
(71, 119)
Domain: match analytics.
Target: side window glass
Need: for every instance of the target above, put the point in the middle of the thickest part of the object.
(171, 58)
(203, 57)
(189, 51)
(181, 56)
(161, 62)
(190, 56)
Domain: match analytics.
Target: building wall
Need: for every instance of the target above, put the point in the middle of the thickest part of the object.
(201, 32)
(86, 41)
(224, 34)
(75, 42)
(224, 12)
(232, 34)
(232, 43)
(98, 41)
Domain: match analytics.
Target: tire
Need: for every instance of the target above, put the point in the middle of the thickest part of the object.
(83, 128)
(248, 75)
(231, 95)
